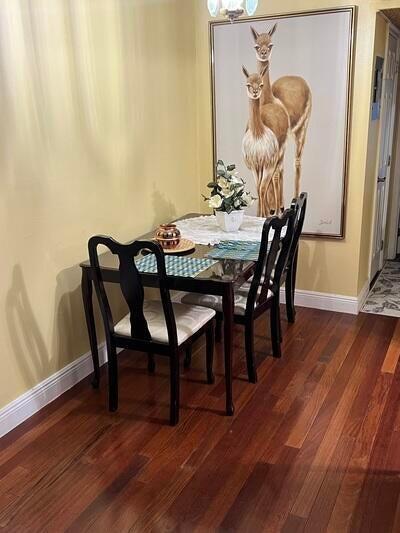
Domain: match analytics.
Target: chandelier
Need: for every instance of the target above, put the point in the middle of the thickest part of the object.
(232, 9)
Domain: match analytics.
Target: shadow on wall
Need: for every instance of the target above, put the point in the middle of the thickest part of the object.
(68, 340)
(28, 345)
(70, 335)
(164, 209)
(313, 262)
(69, 327)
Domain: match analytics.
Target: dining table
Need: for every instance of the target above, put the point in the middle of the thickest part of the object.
(221, 279)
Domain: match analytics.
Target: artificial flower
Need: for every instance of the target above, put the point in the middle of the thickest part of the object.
(228, 191)
(215, 201)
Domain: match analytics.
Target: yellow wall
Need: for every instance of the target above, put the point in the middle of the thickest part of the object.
(97, 136)
(336, 267)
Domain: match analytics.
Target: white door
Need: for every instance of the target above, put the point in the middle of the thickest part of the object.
(385, 152)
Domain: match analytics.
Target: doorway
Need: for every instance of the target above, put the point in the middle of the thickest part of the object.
(384, 297)
(386, 113)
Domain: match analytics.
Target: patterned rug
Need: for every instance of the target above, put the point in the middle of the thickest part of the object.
(384, 297)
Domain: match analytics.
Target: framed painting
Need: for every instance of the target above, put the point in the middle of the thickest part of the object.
(281, 90)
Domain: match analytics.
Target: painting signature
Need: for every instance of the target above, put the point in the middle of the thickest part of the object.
(323, 222)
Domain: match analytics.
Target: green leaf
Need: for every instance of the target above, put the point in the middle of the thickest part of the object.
(230, 167)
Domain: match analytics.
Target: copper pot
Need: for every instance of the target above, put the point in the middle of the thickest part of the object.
(168, 235)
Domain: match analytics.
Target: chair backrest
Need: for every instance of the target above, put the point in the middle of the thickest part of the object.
(272, 258)
(132, 286)
(299, 205)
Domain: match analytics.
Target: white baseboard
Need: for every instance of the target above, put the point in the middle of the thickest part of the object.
(329, 302)
(363, 295)
(320, 300)
(16, 412)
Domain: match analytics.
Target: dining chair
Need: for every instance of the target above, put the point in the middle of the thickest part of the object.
(299, 205)
(288, 277)
(261, 294)
(151, 326)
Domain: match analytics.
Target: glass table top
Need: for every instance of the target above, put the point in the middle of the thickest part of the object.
(224, 270)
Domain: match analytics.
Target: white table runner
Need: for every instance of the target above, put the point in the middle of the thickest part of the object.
(205, 230)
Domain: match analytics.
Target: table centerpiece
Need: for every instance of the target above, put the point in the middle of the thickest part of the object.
(228, 197)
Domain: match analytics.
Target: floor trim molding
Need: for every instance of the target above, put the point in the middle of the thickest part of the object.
(362, 297)
(29, 403)
(329, 302)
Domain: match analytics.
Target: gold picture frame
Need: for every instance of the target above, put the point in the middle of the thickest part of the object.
(350, 46)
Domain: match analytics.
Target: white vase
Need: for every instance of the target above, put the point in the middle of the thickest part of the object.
(230, 222)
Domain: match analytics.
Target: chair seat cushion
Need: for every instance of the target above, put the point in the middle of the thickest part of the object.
(215, 302)
(189, 319)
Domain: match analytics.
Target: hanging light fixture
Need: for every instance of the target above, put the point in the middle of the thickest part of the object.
(232, 9)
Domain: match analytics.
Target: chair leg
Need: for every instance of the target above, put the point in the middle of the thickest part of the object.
(151, 364)
(290, 310)
(277, 302)
(218, 329)
(210, 339)
(249, 344)
(276, 334)
(290, 286)
(174, 386)
(188, 357)
(112, 377)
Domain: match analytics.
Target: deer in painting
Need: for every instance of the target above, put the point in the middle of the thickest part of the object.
(293, 92)
(264, 142)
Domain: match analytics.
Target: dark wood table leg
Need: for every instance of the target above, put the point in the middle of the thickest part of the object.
(228, 310)
(87, 295)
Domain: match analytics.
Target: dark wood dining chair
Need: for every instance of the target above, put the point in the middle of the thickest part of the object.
(261, 294)
(288, 277)
(299, 206)
(151, 326)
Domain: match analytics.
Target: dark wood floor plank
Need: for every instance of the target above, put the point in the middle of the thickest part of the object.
(272, 447)
(107, 496)
(342, 339)
(303, 464)
(380, 490)
(249, 511)
(42, 425)
(358, 466)
(294, 524)
(313, 446)
(393, 352)
(309, 491)
(325, 501)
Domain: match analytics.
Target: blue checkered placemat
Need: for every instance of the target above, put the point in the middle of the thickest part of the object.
(244, 250)
(187, 267)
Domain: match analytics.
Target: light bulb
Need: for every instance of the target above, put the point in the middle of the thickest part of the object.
(232, 5)
(213, 7)
(251, 6)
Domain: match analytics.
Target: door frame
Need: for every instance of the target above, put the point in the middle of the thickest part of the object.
(393, 215)
(392, 30)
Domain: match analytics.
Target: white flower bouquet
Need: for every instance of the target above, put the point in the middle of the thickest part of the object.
(228, 190)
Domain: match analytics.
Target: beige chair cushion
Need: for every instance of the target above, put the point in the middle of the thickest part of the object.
(215, 302)
(189, 319)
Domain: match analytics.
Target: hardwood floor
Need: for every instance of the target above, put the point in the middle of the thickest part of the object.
(314, 446)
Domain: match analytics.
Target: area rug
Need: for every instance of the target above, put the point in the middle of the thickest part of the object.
(384, 297)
